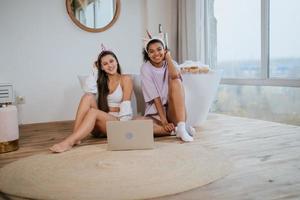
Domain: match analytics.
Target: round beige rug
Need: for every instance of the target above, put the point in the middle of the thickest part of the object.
(92, 172)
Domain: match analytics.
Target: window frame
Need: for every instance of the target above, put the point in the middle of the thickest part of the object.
(265, 79)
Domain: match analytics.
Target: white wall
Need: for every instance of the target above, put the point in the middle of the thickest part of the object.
(42, 51)
(163, 12)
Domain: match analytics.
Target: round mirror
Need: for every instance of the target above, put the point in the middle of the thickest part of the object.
(93, 15)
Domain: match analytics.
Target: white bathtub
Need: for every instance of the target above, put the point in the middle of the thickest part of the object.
(200, 91)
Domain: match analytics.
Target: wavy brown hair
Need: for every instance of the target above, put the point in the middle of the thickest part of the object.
(102, 82)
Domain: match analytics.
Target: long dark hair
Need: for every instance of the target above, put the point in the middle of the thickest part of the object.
(102, 82)
(145, 54)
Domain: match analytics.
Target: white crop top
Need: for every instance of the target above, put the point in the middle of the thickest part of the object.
(114, 99)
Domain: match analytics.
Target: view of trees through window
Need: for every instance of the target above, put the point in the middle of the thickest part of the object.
(278, 104)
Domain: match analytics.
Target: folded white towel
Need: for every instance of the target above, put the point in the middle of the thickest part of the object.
(125, 113)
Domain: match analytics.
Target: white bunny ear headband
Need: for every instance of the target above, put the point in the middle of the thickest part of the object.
(104, 48)
(151, 38)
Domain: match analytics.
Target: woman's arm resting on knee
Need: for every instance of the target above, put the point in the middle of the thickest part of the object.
(159, 107)
(173, 72)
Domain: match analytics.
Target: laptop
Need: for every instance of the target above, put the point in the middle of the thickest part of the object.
(130, 135)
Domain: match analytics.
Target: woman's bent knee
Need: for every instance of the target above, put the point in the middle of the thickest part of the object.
(175, 83)
(93, 111)
(88, 97)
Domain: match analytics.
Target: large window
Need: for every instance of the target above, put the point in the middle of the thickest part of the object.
(257, 41)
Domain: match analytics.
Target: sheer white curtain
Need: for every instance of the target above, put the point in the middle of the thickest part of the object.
(191, 30)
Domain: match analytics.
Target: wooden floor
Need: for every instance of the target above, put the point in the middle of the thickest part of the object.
(266, 156)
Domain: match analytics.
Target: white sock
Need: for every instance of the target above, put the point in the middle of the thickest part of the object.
(191, 130)
(182, 133)
(173, 133)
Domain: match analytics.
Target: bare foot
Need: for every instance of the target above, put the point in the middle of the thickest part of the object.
(78, 142)
(61, 147)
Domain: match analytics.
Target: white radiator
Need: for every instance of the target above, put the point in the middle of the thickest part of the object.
(6, 93)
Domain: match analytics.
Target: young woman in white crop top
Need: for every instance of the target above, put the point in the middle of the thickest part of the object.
(113, 101)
